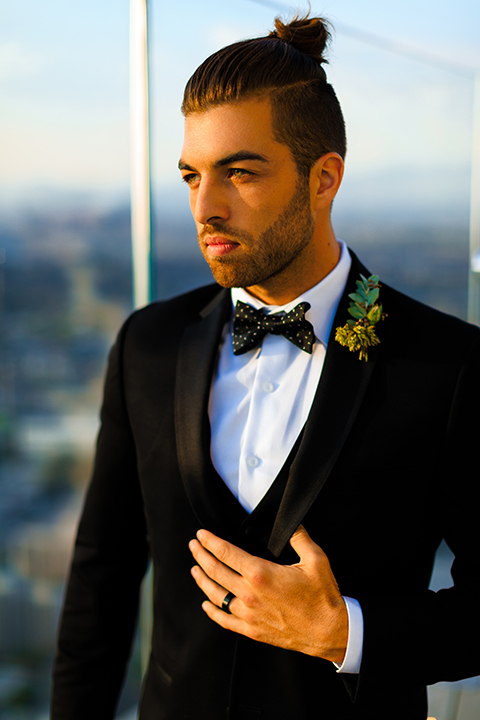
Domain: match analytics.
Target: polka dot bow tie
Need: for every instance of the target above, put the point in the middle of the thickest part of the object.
(250, 327)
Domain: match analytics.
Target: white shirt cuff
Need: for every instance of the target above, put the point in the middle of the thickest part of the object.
(353, 656)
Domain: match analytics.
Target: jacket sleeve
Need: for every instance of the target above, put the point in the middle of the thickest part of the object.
(109, 562)
(424, 638)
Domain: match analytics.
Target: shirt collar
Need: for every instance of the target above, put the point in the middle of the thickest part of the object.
(323, 297)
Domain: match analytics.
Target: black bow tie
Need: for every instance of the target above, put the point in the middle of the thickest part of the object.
(250, 327)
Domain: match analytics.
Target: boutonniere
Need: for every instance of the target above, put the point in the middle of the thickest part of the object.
(359, 333)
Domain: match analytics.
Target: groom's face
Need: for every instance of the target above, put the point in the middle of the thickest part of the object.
(251, 208)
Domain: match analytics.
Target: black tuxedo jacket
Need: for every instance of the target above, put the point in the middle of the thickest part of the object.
(386, 467)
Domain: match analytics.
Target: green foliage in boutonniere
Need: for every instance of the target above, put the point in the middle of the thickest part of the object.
(359, 333)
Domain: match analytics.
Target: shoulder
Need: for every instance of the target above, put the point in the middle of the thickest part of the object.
(417, 331)
(184, 308)
(167, 319)
(423, 329)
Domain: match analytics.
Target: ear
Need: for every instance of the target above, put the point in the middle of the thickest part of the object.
(325, 179)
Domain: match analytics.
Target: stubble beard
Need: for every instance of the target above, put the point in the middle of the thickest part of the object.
(275, 249)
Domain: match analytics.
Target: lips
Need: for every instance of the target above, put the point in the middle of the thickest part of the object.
(217, 246)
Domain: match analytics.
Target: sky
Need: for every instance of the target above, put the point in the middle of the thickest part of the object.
(64, 92)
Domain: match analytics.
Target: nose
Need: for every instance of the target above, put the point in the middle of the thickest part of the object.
(209, 202)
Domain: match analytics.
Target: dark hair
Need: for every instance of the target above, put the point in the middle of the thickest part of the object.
(286, 65)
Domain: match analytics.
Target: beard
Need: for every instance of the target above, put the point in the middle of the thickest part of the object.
(260, 258)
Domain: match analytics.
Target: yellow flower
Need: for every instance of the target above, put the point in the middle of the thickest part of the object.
(357, 338)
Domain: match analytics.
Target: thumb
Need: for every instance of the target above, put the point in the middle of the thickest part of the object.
(302, 543)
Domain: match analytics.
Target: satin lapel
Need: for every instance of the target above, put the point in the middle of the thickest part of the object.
(196, 361)
(341, 390)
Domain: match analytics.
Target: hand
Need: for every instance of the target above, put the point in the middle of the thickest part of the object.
(298, 607)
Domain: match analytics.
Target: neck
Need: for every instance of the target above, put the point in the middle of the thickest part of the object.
(307, 270)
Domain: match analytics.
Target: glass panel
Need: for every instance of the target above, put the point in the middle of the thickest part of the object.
(65, 286)
(404, 203)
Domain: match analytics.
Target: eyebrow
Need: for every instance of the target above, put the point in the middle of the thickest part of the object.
(239, 156)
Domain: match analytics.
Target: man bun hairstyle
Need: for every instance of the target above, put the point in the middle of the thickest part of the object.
(308, 35)
(286, 66)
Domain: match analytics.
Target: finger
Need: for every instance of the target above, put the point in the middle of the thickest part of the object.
(228, 554)
(225, 620)
(214, 569)
(214, 592)
(303, 544)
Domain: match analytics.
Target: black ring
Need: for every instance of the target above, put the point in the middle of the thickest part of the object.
(226, 602)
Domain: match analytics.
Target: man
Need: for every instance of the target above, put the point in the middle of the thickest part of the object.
(312, 486)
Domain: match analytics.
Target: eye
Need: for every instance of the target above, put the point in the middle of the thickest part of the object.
(190, 179)
(239, 173)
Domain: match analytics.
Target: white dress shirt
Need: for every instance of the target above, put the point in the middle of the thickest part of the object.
(260, 401)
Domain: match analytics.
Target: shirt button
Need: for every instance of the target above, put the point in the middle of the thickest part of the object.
(268, 386)
(253, 461)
